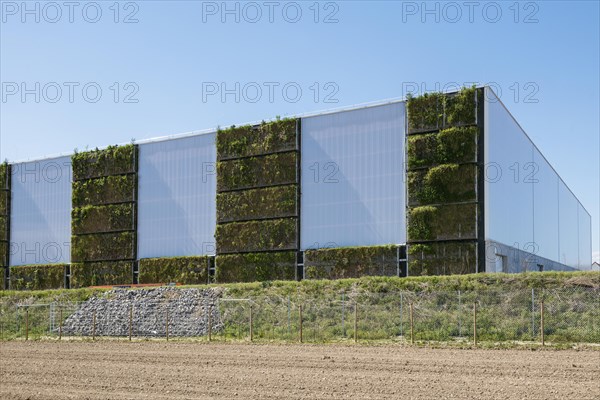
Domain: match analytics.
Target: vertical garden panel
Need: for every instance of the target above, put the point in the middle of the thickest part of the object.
(353, 187)
(4, 223)
(443, 181)
(257, 201)
(104, 216)
(177, 196)
(41, 212)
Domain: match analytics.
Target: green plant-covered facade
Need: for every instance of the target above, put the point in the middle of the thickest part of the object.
(192, 270)
(251, 267)
(444, 186)
(261, 182)
(106, 273)
(352, 262)
(38, 277)
(104, 216)
(258, 201)
(4, 223)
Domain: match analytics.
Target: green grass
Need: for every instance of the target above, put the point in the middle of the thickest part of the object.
(504, 312)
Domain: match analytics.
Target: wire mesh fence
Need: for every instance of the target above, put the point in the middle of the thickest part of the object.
(534, 315)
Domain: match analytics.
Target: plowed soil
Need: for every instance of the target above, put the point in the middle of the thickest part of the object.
(159, 370)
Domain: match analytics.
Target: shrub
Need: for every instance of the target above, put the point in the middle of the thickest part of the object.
(37, 277)
(425, 112)
(351, 262)
(249, 140)
(457, 145)
(101, 273)
(255, 172)
(113, 160)
(112, 189)
(459, 108)
(4, 176)
(443, 184)
(3, 255)
(452, 221)
(185, 270)
(3, 228)
(433, 111)
(452, 182)
(3, 202)
(252, 267)
(103, 246)
(422, 150)
(420, 220)
(98, 219)
(453, 145)
(279, 201)
(253, 236)
(442, 258)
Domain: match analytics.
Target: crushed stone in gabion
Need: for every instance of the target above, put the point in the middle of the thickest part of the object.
(187, 311)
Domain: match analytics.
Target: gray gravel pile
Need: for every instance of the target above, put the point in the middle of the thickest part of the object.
(187, 310)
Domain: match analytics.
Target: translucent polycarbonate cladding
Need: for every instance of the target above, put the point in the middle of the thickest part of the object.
(508, 183)
(40, 216)
(177, 197)
(568, 227)
(527, 205)
(545, 208)
(585, 239)
(353, 186)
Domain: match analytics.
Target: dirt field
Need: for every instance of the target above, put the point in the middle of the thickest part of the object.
(153, 370)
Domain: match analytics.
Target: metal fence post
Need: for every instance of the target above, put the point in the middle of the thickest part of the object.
(94, 325)
(542, 322)
(532, 313)
(343, 314)
(251, 323)
(355, 322)
(167, 324)
(209, 322)
(60, 324)
(412, 326)
(289, 312)
(27, 323)
(459, 320)
(130, 321)
(300, 323)
(475, 323)
(401, 315)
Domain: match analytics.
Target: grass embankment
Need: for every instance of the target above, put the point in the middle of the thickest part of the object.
(472, 282)
(443, 308)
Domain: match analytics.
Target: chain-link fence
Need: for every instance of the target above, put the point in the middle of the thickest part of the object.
(568, 315)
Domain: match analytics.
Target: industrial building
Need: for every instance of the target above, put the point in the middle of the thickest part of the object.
(435, 184)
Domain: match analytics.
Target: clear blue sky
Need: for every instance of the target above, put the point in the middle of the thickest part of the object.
(357, 52)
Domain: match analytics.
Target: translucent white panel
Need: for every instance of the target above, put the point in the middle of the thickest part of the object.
(177, 197)
(509, 180)
(545, 195)
(585, 239)
(40, 217)
(353, 191)
(568, 226)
